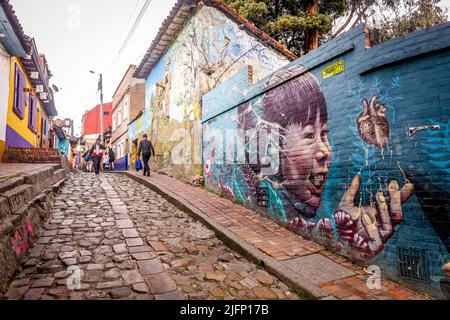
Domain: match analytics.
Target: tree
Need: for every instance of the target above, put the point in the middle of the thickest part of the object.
(297, 24)
(302, 25)
(392, 17)
(416, 15)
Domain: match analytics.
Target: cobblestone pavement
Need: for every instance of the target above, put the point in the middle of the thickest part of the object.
(109, 237)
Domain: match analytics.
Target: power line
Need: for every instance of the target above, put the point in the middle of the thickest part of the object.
(129, 19)
(133, 29)
(135, 25)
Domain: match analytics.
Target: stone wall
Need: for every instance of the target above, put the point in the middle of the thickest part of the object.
(25, 202)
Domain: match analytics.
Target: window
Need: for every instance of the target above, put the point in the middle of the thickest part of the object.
(125, 108)
(119, 117)
(114, 123)
(19, 94)
(32, 113)
(106, 113)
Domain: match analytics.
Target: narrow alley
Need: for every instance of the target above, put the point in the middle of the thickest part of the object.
(110, 237)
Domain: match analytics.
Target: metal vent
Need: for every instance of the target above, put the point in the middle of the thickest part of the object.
(413, 264)
(262, 197)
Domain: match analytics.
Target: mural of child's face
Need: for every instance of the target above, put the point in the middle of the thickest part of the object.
(305, 160)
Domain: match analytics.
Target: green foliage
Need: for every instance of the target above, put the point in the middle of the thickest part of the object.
(287, 23)
(287, 20)
(419, 14)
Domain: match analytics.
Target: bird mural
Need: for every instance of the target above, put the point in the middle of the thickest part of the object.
(373, 125)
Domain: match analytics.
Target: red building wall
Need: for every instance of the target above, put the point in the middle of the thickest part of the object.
(91, 119)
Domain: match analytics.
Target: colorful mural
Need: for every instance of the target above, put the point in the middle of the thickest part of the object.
(206, 52)
(334, 158)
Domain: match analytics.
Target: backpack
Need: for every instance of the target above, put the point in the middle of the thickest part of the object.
(112, 155)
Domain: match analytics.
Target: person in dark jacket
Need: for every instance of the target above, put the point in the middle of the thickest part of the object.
(112, 158)
(147, 150)
(96, 154)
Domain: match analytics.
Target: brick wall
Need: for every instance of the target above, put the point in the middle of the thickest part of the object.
(316, 161)
(31, 155)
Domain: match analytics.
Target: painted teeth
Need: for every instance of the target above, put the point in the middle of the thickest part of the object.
(318, 180)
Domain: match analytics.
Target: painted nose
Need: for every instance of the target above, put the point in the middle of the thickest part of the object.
(322, 151)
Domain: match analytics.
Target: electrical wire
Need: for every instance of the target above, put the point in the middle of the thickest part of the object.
(133, 29)
(135, 25)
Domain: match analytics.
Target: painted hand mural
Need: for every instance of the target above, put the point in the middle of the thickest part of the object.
(367, 228)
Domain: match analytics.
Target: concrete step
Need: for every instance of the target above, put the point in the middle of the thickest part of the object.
(17, 198)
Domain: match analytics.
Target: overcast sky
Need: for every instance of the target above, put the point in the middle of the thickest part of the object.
(81, 35)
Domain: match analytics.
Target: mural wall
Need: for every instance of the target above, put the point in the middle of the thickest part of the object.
(350, 146)
(207, 51)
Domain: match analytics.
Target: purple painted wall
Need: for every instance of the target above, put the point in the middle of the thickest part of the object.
(13, 139)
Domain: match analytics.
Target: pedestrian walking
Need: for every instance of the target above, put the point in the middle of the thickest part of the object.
(96, 154)
(112, 158)
(147, 150)
(105, 161)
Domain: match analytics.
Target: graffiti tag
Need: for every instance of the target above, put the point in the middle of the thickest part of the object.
(22, 238)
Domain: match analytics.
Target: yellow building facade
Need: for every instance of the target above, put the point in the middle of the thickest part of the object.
(19, 132)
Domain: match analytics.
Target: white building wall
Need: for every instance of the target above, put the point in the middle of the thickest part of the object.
(4, 90)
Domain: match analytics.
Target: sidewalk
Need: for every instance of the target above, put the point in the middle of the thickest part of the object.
(13, 170)
(302, 264)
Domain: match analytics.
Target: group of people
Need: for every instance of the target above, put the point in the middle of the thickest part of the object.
(97, 158)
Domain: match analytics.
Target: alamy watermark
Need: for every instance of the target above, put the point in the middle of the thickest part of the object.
(231, 146)
(74, 280)
(73, 21)
(374, 280)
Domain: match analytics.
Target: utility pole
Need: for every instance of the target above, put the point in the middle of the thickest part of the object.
(101, 108)
(100, 87)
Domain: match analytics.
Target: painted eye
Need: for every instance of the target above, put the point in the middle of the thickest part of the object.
(309, 136)
(324, 133)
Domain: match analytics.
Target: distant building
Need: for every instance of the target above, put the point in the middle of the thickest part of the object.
(128, 101)
(91, 127)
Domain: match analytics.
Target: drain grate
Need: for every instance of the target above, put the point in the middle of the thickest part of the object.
(262, 196)
(413, 264)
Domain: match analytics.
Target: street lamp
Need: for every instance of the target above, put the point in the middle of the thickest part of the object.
(100, 87)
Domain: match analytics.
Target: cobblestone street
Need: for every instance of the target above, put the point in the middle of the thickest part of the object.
(123, 241)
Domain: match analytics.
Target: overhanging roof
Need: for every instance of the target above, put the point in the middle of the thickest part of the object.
(175, 21)
(14, 40)
(34, 63)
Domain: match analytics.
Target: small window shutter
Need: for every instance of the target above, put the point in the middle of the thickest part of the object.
(32, 112)
(16, 90)
(22, 83)
(35, 113)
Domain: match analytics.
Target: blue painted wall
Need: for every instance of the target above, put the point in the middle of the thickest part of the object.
(323, 172)
(121, 164)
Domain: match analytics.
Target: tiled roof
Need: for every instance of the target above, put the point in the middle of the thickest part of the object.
(17, 27)
(174, 22)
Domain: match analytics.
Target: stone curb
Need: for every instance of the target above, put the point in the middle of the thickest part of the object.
(293, 280)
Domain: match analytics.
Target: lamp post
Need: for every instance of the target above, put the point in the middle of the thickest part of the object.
(100, 87)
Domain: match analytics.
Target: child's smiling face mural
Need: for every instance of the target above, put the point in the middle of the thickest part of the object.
(305, 161)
